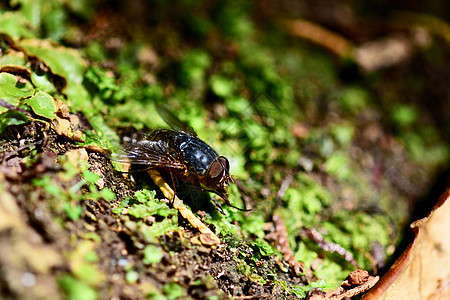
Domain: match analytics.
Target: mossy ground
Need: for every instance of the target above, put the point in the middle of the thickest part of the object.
(353, 151)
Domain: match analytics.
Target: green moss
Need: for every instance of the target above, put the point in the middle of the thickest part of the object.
(338, 165)
(144, 204)
(222, 86)
(132, 276)
(246, 270)
(194, 66)
(404, 115)
(307, 201)
(74, 289)
(353, 99)
(173, 290)
(222, 224)
(343, 133)
(300, 291)
(152, 254)
(262, 248)
(253, 224)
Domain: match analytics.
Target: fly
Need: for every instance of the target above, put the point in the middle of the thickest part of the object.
(182, 154)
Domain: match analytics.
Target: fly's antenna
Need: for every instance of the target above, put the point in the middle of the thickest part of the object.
(225, 198)
(240, 209)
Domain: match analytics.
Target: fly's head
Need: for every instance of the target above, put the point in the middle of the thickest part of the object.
(217, 177)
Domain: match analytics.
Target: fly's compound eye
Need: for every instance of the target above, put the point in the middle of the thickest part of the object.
(215, 173)
(224, 162)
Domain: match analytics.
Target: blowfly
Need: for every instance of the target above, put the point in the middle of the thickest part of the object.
(180, 153)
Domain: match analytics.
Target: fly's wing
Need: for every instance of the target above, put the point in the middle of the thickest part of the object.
(149, 153)
(175, 123)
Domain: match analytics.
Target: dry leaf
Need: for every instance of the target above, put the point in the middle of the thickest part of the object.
(423, 270)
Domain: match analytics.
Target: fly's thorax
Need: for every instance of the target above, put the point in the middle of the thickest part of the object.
(196, 153)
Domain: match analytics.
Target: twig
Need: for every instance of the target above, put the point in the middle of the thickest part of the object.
(284, 186)
(329, 246)
(343, 292)
(16, 108)
(283, 243)
(207, 237)
(8, 155)
(321, 36)
(244, 297)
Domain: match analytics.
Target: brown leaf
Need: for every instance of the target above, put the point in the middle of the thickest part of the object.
(423, 270)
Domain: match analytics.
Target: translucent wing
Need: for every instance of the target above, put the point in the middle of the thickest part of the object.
(149, 153)
(175, 123)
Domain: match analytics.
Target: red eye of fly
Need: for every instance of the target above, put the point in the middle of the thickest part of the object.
(224, 162)
(215, 169)
(215, 174)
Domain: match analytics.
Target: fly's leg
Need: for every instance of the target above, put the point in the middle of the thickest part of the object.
(174, 188)
(218, 206)
(207, 237)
